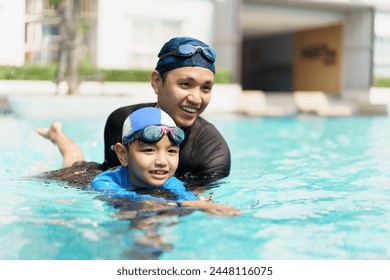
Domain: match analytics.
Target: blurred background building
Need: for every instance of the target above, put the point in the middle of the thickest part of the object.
(271, 45)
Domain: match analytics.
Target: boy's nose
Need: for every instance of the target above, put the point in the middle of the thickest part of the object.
(161, 159)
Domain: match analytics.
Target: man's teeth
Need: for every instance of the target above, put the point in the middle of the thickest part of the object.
(189, 109)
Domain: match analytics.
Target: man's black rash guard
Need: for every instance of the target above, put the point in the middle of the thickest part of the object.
(204, 154)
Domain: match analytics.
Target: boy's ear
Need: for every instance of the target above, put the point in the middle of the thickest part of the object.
(121, 153)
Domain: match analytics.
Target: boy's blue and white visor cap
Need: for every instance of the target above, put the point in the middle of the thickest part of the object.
(145, 117)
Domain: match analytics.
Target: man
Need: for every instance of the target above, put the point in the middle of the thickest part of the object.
(183, 81)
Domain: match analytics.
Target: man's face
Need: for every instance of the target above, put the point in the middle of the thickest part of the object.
(185, 93)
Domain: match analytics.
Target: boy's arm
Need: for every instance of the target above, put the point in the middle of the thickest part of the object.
(212, 208)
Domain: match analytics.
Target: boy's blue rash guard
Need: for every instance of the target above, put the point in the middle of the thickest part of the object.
(116, 183)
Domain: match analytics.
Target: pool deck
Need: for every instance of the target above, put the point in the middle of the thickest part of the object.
(44, 100)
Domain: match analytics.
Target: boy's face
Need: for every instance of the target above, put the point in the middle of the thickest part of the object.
(185, 93)
(152, 164)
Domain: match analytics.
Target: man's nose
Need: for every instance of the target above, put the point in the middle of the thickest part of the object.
(195, 96)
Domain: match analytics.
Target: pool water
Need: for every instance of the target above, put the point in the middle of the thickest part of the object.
(309, 188)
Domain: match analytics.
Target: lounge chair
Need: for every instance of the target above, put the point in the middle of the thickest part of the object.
(254, 103)
(316, 102)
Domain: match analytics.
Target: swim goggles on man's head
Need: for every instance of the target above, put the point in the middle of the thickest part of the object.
(152, 133)
(189, 50)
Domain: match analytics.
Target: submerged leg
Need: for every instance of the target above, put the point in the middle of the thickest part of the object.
(70, 151)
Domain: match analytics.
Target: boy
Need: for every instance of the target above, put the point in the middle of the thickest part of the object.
(149, 156)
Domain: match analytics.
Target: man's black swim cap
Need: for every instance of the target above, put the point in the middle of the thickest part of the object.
(170, 56)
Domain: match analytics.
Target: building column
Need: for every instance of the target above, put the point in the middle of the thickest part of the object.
(358, 50)
(227, 37)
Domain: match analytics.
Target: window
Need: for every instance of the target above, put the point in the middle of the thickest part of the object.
(34, 6)
(147, 39)
(382, 56)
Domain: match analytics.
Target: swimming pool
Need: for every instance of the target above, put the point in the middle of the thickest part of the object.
(309, 187)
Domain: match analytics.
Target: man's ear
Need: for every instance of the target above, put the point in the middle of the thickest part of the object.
(121, 153)
(155, 81)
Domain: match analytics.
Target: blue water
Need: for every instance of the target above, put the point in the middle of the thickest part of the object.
(309, 188)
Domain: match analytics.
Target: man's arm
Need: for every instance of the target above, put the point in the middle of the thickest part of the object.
(205, 155)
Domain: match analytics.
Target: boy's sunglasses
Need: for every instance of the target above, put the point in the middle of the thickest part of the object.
(151, 134)
(189, 50)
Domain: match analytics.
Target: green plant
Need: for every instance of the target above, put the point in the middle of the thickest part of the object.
(382, 81)
(223, 76)
(28, 72)
(131, 75)
(87, 70)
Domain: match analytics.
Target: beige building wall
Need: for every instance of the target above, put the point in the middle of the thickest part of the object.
(318, 59)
